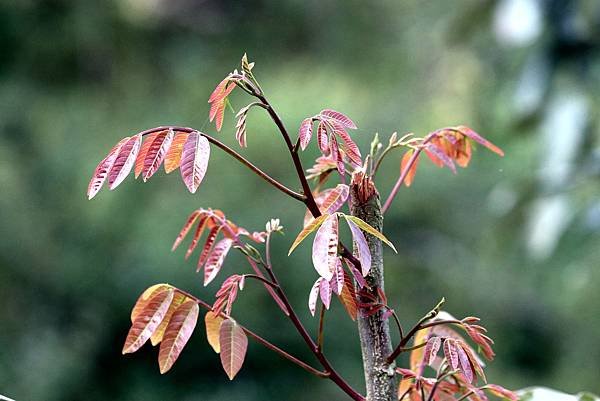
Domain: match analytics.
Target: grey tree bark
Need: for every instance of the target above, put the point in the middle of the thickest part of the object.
(373, 330)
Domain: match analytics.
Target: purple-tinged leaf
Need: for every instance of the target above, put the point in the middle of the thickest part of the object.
(360, 280)
(465, 364)
(103, 168)
(322, 138)
(441, 156)
(194, 160)
(431, 350)
(124, 161)
(312, 226)
(361, 247)
(325, 293)
(215, 261)
(468, 132)
(156, 152)
(370, 230)
(337, 281)
(335, 199)
(210, 241)
(314, 296)
(197, 234)
(339, 117)
(186, 228)
(325, 246)
(450, 353)
(305, 132)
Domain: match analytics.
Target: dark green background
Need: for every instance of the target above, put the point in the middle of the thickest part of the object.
(76, 76)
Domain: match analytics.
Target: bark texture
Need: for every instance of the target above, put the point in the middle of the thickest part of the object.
(373, 330)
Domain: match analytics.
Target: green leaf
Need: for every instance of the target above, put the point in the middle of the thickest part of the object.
(369, 230)
(316, 223)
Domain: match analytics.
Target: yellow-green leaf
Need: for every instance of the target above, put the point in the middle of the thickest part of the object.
(369, 230)
(213, 325)
(316, 223)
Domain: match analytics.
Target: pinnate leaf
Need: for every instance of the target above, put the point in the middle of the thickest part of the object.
(451, 353)
(234, 344)
(145, 297)
(148, 321)
(101, 171)
(186, 228)
(194, 160)
(370, 230)
(124, 161)
(314, 296)
(178, 299)
(348, 297)
(173, 156)
(213, 321)
(177, 333)
(316, 223)
(156, 153)
(337, 281)
(361, 247)
(215, 260)
(410, 176)
(325, 247)
(431, 350)
(305, 132)
(468, 132)
(139, 161)
(325, 293)
(339, 117)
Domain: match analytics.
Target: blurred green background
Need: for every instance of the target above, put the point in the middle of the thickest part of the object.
(514, 240)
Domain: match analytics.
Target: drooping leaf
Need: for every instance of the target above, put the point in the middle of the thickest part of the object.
(325, 247)
(357, 274)
(147, 321)
(465, 364)
(124, 161)
(173, 156)
(361, 248)
(212, 321)
(197, 234)
(337, 281)
(322, 138)
(208, 245)
(101, 171)
(139, 161)
(234, 344)
(450, 352)
(314, 296)
(336, 154)
(145, 297)
(339, 117)
(440, 155)
(194, 160)
(215, 261)
(178, 332)
(416, 355)
(316, 223)
(325, 293)
(370, 230)
(335, 199)
(348, 297)
(186, 228)
(410, 176)
(178, 299)
(156, 153)
(501, 392)
(305, 132)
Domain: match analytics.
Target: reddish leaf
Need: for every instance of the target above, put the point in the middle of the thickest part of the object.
(186, 228)
(348, 297)
(145, 297)
(501, 392)
(139, 161)
(215, 261)
(213, 322)
(339, 117)
(197, 234)
(325, 246)
(325, 293)
(234, 344)
(101, 171)
(210, 241)
(322, 139)
(336, 154)
(178, 299)
(431, 350)
(361, 248)
(335, 199)
(314, 295)
(410, 176)
(147, 321)
(360, 280)
(173, 156)
(465, 364)
(441, 156)
(178, 332)
(194, 160)
(479, 139)
(124, 161)
(156, 153)
(305, 132)
(451, 353)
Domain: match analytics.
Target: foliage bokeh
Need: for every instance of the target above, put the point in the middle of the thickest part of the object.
(514, 240)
